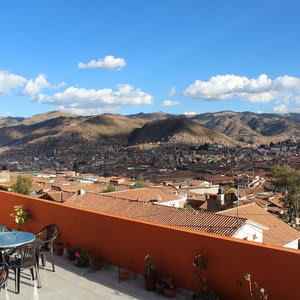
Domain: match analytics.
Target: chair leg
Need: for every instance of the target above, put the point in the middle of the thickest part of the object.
(43, 260)
(32, 273)
(37, 273)
(17, 280)
(52, 260)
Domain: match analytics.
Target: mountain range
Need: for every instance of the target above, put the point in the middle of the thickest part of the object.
(225, 127)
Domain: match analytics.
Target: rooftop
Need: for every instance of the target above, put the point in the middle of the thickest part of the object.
(71, 282)
(278, 233)
(182, 218)
(147, 194)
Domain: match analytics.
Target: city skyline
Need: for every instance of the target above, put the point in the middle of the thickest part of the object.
(127, 57)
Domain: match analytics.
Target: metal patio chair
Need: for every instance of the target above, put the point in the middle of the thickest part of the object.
(3, 274)
(47, 235)
(25, 257)
(4, 228)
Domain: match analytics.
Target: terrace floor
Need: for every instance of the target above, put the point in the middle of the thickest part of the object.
(70, 282)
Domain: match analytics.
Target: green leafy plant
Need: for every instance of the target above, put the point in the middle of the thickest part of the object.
(255, 292)
(203, 291)
(150, 267)
(21, 216)
(81, 257)
(71, 251)
(169, 282)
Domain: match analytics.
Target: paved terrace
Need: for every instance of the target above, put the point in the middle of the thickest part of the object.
(70, 282)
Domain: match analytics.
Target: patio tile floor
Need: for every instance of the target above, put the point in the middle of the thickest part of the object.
(70, 282)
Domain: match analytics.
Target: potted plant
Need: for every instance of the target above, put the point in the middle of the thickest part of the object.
(95, 262)
(58, 248)
(71, 251)
(160, 285)
(169, 288)
(81, 258)
(203, 292)
(123, 275)
(150, 275)
(22, 216)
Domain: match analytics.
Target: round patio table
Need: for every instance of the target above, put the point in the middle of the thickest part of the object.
(13, 239)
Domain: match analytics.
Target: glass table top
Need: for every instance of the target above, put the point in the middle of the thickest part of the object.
(15, 238)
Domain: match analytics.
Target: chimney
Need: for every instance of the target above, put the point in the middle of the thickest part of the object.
(81, 192)
(221, 196)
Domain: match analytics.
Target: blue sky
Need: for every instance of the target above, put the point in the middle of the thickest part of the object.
(173, 56)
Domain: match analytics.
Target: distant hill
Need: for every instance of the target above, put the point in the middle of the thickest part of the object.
(108, 125)
(176, 129)
(55, 126)
(236, 124)
(10, 121)
(46, 116)
(220, 127)
(145, 118)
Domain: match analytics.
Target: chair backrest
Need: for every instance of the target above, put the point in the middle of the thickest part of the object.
(4, 228)
(3, 273)
(48, 234)
(27, 254)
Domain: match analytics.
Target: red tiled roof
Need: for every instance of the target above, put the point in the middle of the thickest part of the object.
(146, 194)
(279, 233)
(58, 196)
(183, 218)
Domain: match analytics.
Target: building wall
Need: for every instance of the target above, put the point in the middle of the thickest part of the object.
(179, 203)
(174, 203)
(250, 232)
(126, 241)
(206, 190)
(293, 245)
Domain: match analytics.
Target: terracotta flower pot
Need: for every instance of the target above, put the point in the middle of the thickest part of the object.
(149, 284)
(95, 263)
(159, 287)
(124, 275)
(170, 292)
(58, 248)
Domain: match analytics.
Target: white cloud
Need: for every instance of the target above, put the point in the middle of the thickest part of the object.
(109, 62)
(190, 113)
(59, 85)
(281, 109)
(34, 86)
(172, 91)
(170, 103)
(9, 81)
(258, 90)
(84, 101)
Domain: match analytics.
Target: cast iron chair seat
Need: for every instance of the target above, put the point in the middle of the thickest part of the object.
(47, 235)
(25, 257)
(3, 274)
(4, 228)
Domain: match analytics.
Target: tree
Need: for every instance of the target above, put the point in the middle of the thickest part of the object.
(287, 181)
(23, 185)
(4, 188)
(109, 189)
(140, 181)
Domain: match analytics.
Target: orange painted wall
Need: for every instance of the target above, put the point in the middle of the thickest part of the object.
(126, 241)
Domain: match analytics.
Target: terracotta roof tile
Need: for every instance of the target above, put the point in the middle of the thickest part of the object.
(146, 194)
(279, 233)
(183, 218)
